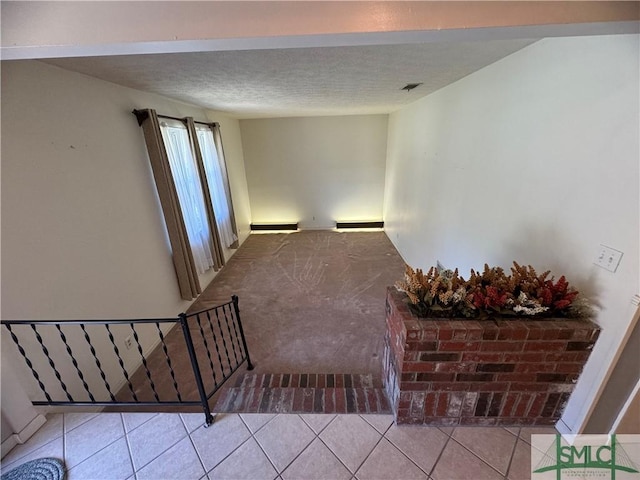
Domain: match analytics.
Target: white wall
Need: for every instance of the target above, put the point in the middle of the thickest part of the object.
(630, 421)
(315, 171)
(536, 159)
(83, 235)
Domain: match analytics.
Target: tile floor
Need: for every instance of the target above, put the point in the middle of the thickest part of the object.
(267, 446)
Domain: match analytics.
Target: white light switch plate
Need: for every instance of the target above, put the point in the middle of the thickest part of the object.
(608, 258)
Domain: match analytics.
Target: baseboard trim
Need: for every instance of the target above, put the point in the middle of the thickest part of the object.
(9, 444)
(359, 225)
(25, 434)
(563, 428)
(256, 227)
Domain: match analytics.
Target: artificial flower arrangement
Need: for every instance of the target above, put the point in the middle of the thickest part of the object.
(524, 293)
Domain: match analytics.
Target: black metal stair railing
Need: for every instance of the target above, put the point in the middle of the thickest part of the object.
(94, 366)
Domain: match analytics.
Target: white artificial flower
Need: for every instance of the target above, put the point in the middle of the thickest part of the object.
(459, 295)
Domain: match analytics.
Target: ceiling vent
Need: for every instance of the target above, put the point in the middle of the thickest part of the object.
(410, 86)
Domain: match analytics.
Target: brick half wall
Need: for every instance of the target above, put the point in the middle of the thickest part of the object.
(481, 372)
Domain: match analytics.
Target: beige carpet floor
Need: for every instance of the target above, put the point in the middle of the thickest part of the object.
(311, 301)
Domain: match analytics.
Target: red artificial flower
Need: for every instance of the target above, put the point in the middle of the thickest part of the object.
(545, 296)
(494, 298)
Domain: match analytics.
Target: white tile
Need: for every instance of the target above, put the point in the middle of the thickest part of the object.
(351, 439)
(248, 462)
(179, 461)
(458, 463)
(493, 445)
(74, 420)
(520, 467)
(534, 456)
(513, 430)
(213, 444)
(317, 421)
(283, 438)
(526, 432)
(316, 462)
(380, 422)
(50, 430)
(110, 463)
(387, 462)
(255, 421)
(154, 437)
(193, 421)
(52, 449)
(422, 445)
(134, 420)
(92, 436)
(446, 430)
(628, 447)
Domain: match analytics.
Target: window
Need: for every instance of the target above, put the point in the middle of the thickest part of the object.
(216, 178)
(191, 179)
(189, 189)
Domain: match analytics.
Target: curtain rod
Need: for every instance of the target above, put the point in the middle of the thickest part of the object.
(183, 119)
(142, 115)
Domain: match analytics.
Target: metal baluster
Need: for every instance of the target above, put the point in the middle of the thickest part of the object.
(51, 362)
(215, 343)
(196, 370)
(236, 308)
(75, 363)
(206, 347)
(166, 355)
(29, 364)
(226, 320)
(121, 362)
(224, 343)
(144, 362)
(98, 364)
(234, 321)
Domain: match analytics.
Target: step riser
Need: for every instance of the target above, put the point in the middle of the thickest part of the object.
(304, 393)
(303, 400)
(308, 380)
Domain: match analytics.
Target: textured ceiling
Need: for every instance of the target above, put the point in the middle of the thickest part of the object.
(299, 81)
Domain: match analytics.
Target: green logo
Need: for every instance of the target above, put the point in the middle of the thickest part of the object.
(592, 459)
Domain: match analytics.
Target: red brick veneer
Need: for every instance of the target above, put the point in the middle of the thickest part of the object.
(481, 372)
(304, 393)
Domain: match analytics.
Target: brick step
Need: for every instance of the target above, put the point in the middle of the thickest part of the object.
(308, 380)
(285, 393)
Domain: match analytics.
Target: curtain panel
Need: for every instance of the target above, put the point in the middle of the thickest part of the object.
(191, 178)
(218, 254)
(215, 178)
(183, 260)
(217, 138)
(192, 197)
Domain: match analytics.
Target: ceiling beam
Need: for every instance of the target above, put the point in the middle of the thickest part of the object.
(49, 29)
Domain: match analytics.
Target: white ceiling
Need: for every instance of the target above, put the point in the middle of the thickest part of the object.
(292, 82)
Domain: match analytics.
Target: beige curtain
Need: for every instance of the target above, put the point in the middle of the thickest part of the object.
(218, 255)
(182, 256)
(217, 138)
